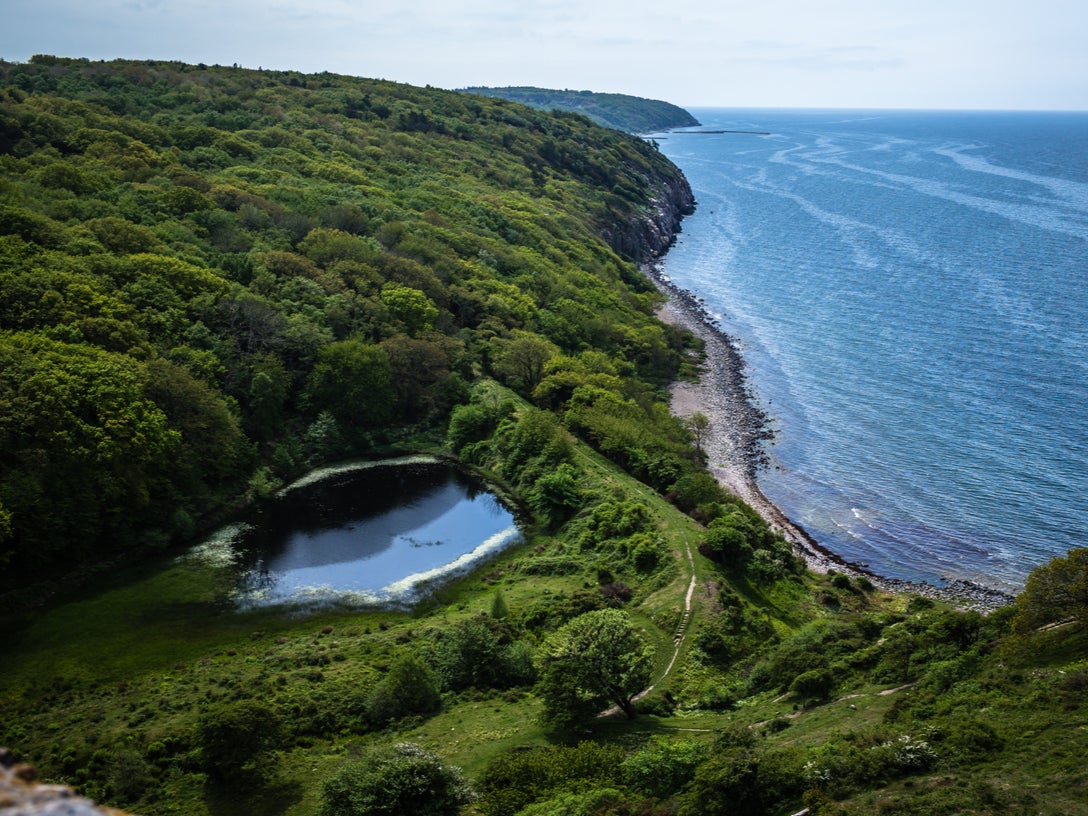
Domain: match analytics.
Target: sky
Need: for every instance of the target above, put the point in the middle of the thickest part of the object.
(961, 54)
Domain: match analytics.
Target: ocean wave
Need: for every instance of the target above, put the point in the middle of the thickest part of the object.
(910, 309)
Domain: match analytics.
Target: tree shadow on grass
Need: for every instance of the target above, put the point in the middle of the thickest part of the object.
(251, 795)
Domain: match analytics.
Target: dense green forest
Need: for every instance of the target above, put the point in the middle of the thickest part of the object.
(211, 278)
(215, 279)
(632, 114)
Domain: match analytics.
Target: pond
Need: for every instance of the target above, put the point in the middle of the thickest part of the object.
(362, 534)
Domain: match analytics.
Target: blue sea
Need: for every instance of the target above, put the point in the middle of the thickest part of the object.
(910, 293)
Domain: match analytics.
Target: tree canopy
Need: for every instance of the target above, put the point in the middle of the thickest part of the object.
(633, 114)
(213, 275)
(1056, 591)
(595, 660)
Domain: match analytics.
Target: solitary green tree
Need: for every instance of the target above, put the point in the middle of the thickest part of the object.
(520, 360)
(595, 660)
(699, 425)
(813, 685)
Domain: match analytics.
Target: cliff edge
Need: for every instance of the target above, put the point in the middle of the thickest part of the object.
(647, 237)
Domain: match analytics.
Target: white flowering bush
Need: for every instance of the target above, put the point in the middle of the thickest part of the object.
(912, 754)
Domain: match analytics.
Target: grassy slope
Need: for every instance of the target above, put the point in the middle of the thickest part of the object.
(140, 659)
(138, 671)
(104, 690)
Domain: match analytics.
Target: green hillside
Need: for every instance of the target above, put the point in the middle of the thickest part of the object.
(207, 275)
(213, 280)
(632, 114)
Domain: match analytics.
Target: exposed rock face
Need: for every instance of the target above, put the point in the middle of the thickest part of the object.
(22, 795)
(647, 237)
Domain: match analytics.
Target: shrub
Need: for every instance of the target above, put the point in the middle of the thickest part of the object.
(777, 725)
(403, 780)
(514, 780)
(912, 754)
(499, 610)
(479, 653)
(1055, 591)
(130, 775)
(236, 737)
(840, 581)
(616, 593)
(551, 565)
(813, 686)
(814, 646)
(556, 495)
(740, 781)
(919, 604)
(717, 698)
(663, 768)
(964, 739)
(696, 489)
(588, 803)
(645, 552)
(410, 687)
(726, 544)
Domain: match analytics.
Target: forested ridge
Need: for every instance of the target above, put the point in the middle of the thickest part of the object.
(633, 114)
(215, 279)
(211, 277)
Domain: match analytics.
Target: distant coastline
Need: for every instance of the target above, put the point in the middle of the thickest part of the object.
(631, 114)
(714, 132)
(739, 431)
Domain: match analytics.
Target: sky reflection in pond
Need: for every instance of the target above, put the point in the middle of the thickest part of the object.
(375, 534)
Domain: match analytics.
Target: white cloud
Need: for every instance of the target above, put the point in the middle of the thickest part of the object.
(940, 53)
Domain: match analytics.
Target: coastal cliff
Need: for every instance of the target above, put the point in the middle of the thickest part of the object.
(460, 277)
(649, 235)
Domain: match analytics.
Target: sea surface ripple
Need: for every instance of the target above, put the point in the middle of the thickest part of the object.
(910, 292)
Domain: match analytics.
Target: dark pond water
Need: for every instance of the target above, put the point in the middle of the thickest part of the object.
(363, 534)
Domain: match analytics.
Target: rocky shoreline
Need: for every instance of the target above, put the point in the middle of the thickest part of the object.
(736, 446)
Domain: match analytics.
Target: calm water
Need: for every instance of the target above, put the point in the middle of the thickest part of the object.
(365, 534)
(910, 291)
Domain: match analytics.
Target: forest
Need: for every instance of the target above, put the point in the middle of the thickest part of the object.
(214, 280)
(632, 114)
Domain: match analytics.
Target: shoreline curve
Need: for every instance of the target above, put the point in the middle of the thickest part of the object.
(739, 432)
